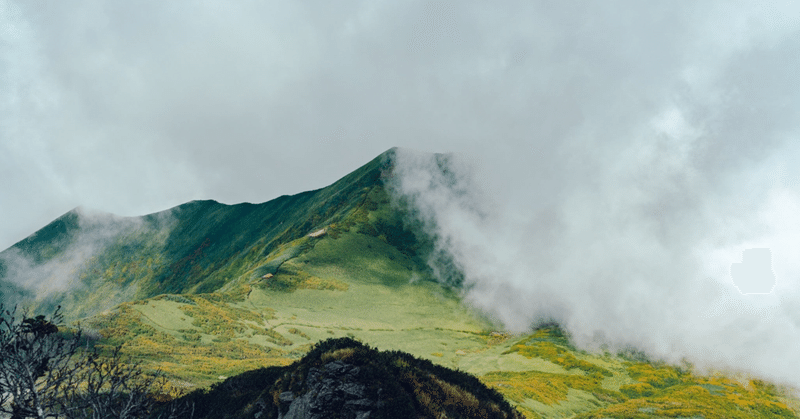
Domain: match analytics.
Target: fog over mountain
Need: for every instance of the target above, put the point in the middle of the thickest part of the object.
(622, 269)
(612, 160)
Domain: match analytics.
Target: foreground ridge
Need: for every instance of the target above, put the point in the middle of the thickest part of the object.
(344, 378)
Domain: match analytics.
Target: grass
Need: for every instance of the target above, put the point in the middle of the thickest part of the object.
(377, 303)
(666, 391)
(551, 345)
(547, 388)
(199, 338)
(220, 290)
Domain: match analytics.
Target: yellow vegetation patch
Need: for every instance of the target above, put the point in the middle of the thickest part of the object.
(315, 283)
(297, 332)
(664, 391)
(221, 319)
(186, 358)
(637, 390)
(289, 278)
(542, 344)
(273, 336)
(658, 376)
(543, 387)
(339, 354)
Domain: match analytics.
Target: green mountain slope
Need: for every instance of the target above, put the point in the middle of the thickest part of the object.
(352, 285)
(207, 291)
(194, 248)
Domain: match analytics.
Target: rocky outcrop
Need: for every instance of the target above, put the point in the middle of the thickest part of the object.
(333, 390)
(346, 379)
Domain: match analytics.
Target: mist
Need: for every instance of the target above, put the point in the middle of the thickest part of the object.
(621, 217)
(54, 267)
(642, 173)
(610, 160)
(135, 108)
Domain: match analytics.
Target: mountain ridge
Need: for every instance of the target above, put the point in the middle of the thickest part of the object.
(196, 246)
(206, 291)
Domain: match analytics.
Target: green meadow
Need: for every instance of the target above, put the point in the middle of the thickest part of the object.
(382, 299)
(207, 291)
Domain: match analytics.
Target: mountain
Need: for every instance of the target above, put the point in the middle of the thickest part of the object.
(206, 292)
(198, 247)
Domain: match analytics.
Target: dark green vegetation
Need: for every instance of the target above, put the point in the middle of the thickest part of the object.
(208, 291)
(344, 377)
(199, 247)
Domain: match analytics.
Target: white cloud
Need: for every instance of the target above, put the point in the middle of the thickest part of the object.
(621, 214)
(622, 151)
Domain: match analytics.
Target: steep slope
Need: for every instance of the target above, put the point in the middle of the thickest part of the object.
(194, 248)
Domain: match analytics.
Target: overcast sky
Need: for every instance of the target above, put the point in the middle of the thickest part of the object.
(135, 107)
(618, 156)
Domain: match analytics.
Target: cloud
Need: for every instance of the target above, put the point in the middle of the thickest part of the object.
(614, 271)
(621, 214)
(134, 108)
(57, 264)
(620, 155)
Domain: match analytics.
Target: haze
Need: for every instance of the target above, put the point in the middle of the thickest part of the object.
(615, 158)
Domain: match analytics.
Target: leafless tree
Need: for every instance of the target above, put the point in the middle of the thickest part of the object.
(48, 374)
(109, 387)
(35, 363)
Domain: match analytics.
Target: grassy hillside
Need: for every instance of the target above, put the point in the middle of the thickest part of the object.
(206, 291)
(352, 285)
(198, 247)
(356, 285)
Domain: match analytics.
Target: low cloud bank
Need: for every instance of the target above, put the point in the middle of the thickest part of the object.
(635, 255)
(616, 196)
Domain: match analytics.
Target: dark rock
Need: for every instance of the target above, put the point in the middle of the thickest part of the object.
(286, 397)
(360, 383)
(332, 390)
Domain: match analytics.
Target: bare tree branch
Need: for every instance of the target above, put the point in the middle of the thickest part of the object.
(45, 373)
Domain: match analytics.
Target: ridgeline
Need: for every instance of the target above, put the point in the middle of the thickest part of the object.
(253, 308)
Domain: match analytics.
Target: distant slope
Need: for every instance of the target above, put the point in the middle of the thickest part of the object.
(198, 247)
(342, 284)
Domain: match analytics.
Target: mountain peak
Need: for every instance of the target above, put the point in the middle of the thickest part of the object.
(197, 247)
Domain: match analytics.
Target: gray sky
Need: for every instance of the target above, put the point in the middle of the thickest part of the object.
(134, 107)
(617, 156)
